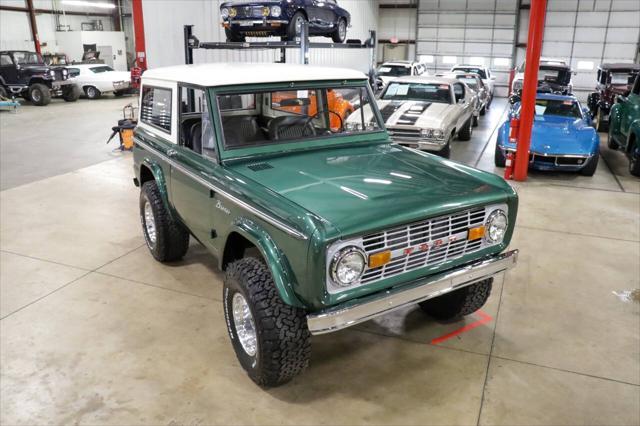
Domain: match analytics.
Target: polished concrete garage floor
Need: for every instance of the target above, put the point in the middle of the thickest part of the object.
(94, 331)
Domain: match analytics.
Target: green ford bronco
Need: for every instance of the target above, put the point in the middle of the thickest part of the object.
(317, 219)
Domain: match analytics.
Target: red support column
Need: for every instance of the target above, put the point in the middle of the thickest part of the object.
(138, 29)
(34, 26)
(530, 86)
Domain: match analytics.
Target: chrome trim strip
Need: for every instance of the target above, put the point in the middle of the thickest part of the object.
(289, 230)
(424, 289)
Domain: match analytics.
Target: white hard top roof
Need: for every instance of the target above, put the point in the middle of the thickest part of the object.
(226, 74)
(425, 79)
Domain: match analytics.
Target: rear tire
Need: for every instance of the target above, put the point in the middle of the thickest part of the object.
(499, 158)
(39, 94)
(3, 92)
(483, 111)
(467, 130)
(92, 92)
(611, 143)
(167, 239)
(72, 94)
(475, 121)
(592, 165)
(233, 36)
(118, 93)
(600, 124)
(458, 303)
(634, 160)
(340, 34)
(270, 338)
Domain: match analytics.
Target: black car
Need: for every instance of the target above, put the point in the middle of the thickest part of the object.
(284, 18)
(25, 74)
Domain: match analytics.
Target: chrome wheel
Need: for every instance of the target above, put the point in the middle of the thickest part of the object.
(244, 325)
(149, 223)
(36, 96)
(342, 29)
(299, 21)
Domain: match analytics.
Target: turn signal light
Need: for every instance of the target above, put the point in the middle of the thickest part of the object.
(476, 233)
(379, 259)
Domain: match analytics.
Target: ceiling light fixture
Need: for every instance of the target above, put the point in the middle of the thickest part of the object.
(85, 3)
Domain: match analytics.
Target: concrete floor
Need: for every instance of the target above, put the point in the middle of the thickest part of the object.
(94, 331)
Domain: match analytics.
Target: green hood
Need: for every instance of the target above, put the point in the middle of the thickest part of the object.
(369, 187)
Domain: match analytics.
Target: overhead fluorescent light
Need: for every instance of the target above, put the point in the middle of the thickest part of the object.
(85, 3)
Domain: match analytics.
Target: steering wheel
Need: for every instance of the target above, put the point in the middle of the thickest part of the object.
(308, 121)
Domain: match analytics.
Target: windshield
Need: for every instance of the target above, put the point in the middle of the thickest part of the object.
(430, 92)
(546, 107)
(268, 117)
(28, 58)
(625, 78)
(101, 69)
(473, 70)
(471, 82)
(394, 70)
(554, 75)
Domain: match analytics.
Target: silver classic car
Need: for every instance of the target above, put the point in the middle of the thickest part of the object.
(427, 113)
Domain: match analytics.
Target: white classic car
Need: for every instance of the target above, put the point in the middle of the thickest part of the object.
(428, 112)
(475, 83)
(391, 70)
(98, 79)
(484, 73)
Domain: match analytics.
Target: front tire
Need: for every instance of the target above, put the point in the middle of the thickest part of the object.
(166, 239)
(295, 26)
(92, 92)
(72, 94)
(634, 160)
(467, 130)
(3, 92)
(340, 34)
(270, 338)
(39, 94)
(499, 158)
(458, 303)
(592, 165)
(601, 124)
(475, 121)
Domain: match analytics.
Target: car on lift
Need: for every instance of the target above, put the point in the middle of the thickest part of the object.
(554, 76)
(624, 126)
(98, 79)
(394, 69)
(562, 137)
(483, 72)
(475, 83)
(613, 80)
(317, 228)
(25, 74)
(427, 113)
(284, 18)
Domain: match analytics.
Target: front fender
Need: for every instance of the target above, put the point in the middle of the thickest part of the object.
(278, 264)
(158, 176)
(614, 119)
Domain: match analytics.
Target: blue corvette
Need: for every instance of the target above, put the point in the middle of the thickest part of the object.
(562, 137)
(284, 18)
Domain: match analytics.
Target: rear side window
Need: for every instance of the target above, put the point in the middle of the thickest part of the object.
(5, 60)
(156, 107)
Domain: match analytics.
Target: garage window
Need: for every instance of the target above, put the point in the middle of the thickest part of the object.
(156, 107)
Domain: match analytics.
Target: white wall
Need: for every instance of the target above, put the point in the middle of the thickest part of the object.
(15, 32)
(164, 20)
(399, 23)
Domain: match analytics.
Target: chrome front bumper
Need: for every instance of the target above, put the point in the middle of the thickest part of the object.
(427, 288)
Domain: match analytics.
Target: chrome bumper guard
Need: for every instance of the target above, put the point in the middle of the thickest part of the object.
(419, 291)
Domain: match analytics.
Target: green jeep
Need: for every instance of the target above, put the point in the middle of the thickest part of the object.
(624, 127)
(317, 219)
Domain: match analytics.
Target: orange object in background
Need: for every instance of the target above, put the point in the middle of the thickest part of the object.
(337, 105)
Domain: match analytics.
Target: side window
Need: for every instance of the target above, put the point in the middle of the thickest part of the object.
(196, 130)
(458, 91)
(156, 107)
(74, 72)
(5, 60)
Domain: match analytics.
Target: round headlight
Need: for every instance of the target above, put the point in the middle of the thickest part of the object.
(224, 13)
(438, 134)
(426, 133)
(52, 73)
(233, 12)
(347, 266)
(276, 11)
(496, 226)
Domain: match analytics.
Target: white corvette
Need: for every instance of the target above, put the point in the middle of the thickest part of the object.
(97, 79)
(428, 112)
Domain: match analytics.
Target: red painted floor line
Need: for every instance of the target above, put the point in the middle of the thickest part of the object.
(484, 318)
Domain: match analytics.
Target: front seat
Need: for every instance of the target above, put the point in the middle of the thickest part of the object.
(290, 127)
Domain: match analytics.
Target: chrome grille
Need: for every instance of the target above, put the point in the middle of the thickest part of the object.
(424, 243)
(249, 12)
(405, 134)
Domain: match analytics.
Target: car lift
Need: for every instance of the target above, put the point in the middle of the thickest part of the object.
(191, 42)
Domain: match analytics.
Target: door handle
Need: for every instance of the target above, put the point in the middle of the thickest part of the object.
(172, 153)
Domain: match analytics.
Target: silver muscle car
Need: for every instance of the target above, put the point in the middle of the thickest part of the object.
(427, 113)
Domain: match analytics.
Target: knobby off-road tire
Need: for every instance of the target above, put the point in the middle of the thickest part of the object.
(458, 303)
(467, 130)
(3, 92)
(499, 158)
(72, 94)
(281, 347)
(39, 94)
(167, 239)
